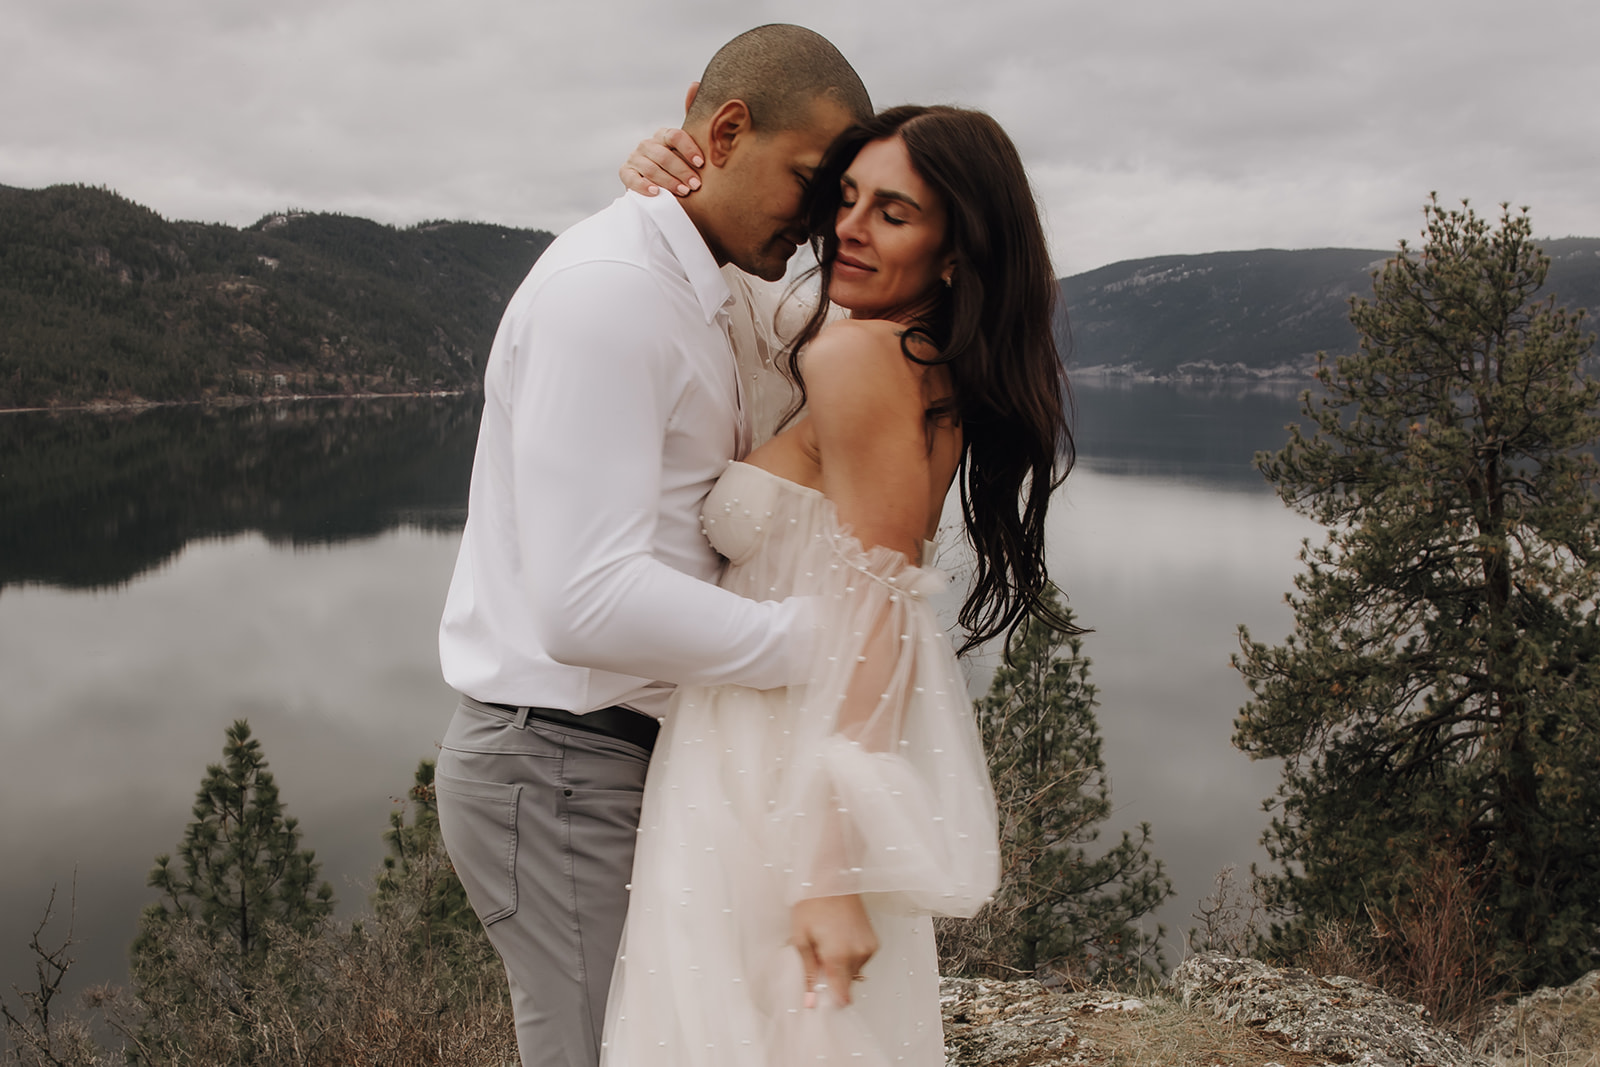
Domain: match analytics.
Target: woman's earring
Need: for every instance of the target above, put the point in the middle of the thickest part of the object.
(949, 280)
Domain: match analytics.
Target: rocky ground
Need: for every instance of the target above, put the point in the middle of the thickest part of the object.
(1222, 1012)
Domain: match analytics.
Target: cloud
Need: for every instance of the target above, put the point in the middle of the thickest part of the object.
(1162, 126)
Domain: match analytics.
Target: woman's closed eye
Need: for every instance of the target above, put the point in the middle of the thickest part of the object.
(848, 205)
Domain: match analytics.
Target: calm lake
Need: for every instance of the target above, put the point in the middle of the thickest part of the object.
(167, 572)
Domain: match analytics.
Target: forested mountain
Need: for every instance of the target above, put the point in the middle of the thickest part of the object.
(102, 299)
(1251, 314)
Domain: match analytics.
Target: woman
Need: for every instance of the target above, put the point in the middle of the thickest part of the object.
(863, 794)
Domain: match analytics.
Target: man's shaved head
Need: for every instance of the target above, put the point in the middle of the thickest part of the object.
(779, 71)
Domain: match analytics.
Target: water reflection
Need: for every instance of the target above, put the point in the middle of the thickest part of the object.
(1165, 570)
(94, 500)
(113, 704)
(1206, 434)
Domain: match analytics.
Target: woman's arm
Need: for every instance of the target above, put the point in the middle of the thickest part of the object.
(866, 413)
(669, 159)
(868, 419)
(866, 409)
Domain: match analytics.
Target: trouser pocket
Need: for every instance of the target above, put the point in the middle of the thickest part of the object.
(478, 821)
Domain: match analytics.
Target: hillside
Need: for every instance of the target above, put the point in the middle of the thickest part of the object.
(1250, 314)
(102, 299)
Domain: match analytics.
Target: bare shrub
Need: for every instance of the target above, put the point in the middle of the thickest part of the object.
(37, 1032)
(1430, 943)
(1437, 944)
(1230, 918)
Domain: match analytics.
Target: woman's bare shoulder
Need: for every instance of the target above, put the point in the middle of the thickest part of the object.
(862, 390)
(860, 352)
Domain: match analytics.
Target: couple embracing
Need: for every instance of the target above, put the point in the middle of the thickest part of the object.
(645, 551)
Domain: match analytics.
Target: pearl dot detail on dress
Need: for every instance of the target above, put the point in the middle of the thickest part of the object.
(753, 772)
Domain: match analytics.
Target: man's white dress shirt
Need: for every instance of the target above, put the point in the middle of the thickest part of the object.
(612, 403)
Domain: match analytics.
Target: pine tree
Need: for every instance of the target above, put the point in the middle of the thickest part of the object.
(417, 876)
(243, 867)
(1439, 695)
(1056, 909)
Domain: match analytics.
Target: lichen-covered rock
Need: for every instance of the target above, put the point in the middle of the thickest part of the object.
(1546, 1023)
(989, 1023)
(1339, 1019)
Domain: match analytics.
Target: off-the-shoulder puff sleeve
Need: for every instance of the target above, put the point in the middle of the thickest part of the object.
(869, 779)
(887, 790)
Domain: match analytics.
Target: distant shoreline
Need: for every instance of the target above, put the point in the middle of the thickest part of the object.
(117, 407)
(1283, 379)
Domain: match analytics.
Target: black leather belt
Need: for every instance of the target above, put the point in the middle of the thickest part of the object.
(623, 724)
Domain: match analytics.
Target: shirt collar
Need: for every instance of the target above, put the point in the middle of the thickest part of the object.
(689, 248)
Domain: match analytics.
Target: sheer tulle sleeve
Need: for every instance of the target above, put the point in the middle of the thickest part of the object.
(887, 790)
(870, 779)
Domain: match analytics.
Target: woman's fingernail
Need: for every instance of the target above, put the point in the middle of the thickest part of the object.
(683, 190)
(651, 190)
(697, 161)
(694, 183)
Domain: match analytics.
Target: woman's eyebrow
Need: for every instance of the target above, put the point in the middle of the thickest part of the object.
(884, 194)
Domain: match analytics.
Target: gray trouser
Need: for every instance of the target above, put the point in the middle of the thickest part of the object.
(540, 822)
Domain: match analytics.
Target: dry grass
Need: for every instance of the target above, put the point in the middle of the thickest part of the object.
(1547, 1031)
(1166, 1034)
(1341, 949)
(1561, 1056)
(351, 997)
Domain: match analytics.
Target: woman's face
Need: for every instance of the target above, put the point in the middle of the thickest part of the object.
(891, 230)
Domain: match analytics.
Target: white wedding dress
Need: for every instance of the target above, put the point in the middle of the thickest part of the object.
(756, 799)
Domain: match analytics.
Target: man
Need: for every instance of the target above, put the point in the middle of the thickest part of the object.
(583, 590)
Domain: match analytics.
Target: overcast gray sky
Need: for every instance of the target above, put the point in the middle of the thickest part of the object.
(1150, 127)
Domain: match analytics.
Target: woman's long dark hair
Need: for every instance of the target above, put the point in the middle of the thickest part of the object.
(992, 329)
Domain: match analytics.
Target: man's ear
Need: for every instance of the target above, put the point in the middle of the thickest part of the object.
(729, 125)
